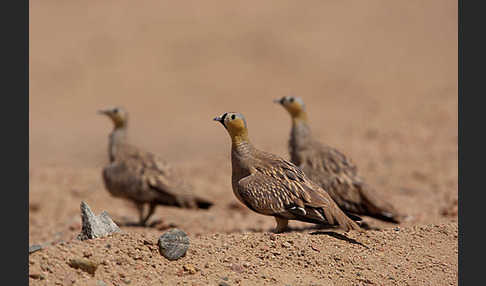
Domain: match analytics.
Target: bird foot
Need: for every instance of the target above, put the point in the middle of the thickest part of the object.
(155, 222)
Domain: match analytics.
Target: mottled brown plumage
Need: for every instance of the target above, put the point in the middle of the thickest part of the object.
(142, 177)
(332, 170)
(270, 185)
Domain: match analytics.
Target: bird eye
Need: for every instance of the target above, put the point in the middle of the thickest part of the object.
(115, 110)
(233, 117)
(291, 99)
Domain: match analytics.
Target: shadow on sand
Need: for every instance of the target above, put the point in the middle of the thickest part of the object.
(339, 236)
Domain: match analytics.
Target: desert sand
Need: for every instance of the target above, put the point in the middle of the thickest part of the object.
(379, 79)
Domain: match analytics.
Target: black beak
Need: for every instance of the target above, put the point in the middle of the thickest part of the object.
(279, 101)
(220, 119)
(104, 111)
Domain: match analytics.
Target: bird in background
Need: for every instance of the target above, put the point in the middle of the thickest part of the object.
(142, 177)
(272, 186)
(331, 169)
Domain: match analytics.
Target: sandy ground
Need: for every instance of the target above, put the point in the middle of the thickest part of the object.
(380, 82)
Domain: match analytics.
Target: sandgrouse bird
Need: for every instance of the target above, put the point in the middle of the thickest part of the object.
(332, 170)
(142, 177)
(270, 185)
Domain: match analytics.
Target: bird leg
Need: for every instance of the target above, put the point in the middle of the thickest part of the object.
(140, 209)
(149, 214)
(282, 224)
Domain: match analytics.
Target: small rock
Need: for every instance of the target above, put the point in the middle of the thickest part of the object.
(34, 248)
(286, 245)
(95, 226)
(83, 264)
(222, 283)
(173, 244)
(190, 268)
(147, 242)
(100, 283)
(237, 268)
(37, 276)
(314, 247)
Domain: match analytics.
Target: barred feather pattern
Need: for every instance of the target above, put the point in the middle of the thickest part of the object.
(143, 177)
(338, 175)
(270, 185)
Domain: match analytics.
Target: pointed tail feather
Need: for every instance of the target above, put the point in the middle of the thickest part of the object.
(353, 217)
(378, 208)
(203, 204)
(189, 202)
(334, 215)
(388, 217)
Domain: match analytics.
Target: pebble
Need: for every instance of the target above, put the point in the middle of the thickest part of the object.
(147, 242)
(173, 244)
(237, 268)
(36, 276)
(190, 268)
(83, 264)
(34, 248)
(286, 245)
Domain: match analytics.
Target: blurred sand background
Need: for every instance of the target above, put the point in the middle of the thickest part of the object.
(359, 65)
(379, 79)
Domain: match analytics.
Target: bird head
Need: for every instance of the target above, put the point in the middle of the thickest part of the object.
(294, 105)
(117, 114)
(234, 123)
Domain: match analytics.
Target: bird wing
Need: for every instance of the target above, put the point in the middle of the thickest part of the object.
(336, 173)
(120, 181)
(333, 171)
(278, 187)
(155, 178)
(331, 160)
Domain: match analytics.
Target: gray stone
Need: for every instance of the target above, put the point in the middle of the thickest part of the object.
(173, 244)
(34, 248)
(95, 226)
